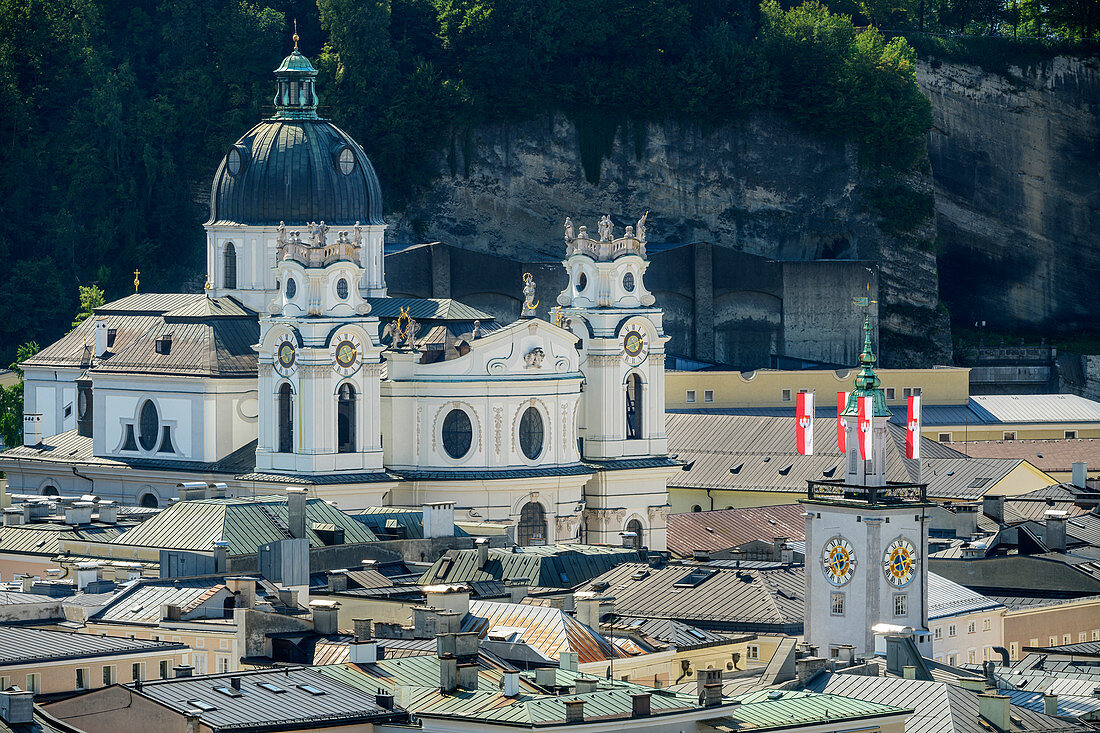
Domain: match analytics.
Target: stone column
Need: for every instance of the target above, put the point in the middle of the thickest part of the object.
(872, 571)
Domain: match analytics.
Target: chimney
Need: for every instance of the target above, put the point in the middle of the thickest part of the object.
(1050, 704)
(244, 589)
(993, 708)
(639, 704)
(584, 685)
(108, 512)
(700, 556)
(448, 673)
(574, 711)
(100, 336)
(79, 512)
(439, 519)
(448, 598)
(296, 512)
(847, 654)
(192, 490)
(777, 547)
(324, 616)
(1080, 474)
(909, 672)
(517, 589)
(221, 555)
(546, 677)
(17, 707)
(193, 719)
(86, 572)
(966, 520)
(384, 700)
(218, 490)
(26, 583)
(337, 581)
(994, 507)
(13, 517)
(708, 685)
(588, 609)
(511, 684)
(629, 538)
(235, 683)
(567, 661)
(363, 651)
(807, 667)
(972, 683)
(362, 629)
(32, 429)
(1055, 536)
(482, 544)
(183, 670)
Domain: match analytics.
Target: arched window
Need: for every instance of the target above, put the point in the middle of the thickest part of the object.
(633, 407)
(148, 426)
(639, 534)
(230, 266)
(458, 433)
(531, 433)
(345, 419)
(696, 508)
(532, 525)
(149, 501)
(286, 420)
(50, 490)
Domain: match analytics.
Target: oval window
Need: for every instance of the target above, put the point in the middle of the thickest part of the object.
(582, 282)
(628, 282)
(346, 161)
(342, 289)
(149, 425)
(291, 288)
(458, 433)
(233, 161)
(531, 433)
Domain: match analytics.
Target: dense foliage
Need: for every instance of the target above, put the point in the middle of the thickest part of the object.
(115, 112)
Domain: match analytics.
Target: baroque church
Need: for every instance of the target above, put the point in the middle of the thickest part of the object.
(295, 368)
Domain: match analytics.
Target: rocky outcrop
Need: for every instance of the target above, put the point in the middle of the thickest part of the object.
(1016, 161)
(760, 187)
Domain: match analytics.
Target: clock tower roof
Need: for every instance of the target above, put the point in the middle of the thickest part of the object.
(867, 383)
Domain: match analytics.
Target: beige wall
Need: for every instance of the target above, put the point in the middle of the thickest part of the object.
(661, 669)
(212, 651)
(1024, 431)
(1078, 620)
(55, 677)
(764, 388)
(965, 646)
(682, 500)
(12, 564)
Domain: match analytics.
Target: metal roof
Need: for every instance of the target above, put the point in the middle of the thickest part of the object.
(45, 539)
(549, 566)
(948, 598)
(1069, 706)
(714, 598)
(430, 309)
(676, 633)
(550, 631)
(766, 709)
(142, 602)
(726, 528)
(244, 523)
(1046, 455)
(298, 697)
(24, 645)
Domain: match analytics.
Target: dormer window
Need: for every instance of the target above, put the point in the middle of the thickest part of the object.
(164, 344)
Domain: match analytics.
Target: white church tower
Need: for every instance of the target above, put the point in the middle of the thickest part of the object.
(622, 351)
(866, 541)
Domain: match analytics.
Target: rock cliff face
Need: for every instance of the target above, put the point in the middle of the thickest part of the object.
(1016, 160)
(759, 187)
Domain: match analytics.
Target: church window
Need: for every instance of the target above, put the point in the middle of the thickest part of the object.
(233, 161)
(582, 282)
(633, 407)
(50, 490)
(346, 161)
(901, 604)
(291, 288)
(342, 289)
(458, 433)
(531, 433)
(345, 419)
(628, 282)
(836, 604)
(638, 540)
(286, 420)
(149, 426)
(532, 525)
(128, 442)
(166, 441)
(230, 266)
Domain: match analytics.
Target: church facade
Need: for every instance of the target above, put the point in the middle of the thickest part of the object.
(295, 368)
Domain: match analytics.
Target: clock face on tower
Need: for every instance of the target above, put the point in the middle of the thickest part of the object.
(838, 560)
(635, 345)
(286, 356)
(899, 562)
(346, 353)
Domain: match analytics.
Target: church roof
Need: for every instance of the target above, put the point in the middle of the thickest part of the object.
(428, 309)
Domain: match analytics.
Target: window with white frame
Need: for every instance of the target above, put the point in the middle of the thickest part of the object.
(1014, 650)
(689, 396)
(972, 656)
(971, 627)
(1071, 435)
(986, 623)
(901, 604)
(108, 675)
(1067, 638)
(938, 632)
(951, 631)
(708, 395)
(752, 651)
(81, 678)
(786, 395)
(836, 605)
(889, 393)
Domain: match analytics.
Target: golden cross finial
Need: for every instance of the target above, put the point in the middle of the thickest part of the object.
(137, 282)
(295, 36)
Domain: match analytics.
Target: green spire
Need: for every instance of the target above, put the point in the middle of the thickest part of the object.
(296, 96)
(867, 383)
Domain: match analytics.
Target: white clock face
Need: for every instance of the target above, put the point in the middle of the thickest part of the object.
(838, 560)
(634, 345)
(347, 352)
(899, 562)
(286, 356)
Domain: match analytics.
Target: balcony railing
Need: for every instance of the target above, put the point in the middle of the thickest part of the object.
(894, 492)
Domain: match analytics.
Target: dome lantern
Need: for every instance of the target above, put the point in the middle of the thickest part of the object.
(296, 95)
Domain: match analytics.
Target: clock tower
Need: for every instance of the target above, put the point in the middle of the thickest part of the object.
(866, 540)
(621, 420)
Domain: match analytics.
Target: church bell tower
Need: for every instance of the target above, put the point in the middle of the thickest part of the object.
(866, 538)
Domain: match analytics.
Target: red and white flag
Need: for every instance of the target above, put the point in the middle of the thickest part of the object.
(866, 410)
(841, 423)
(804, 428)
(912, 429)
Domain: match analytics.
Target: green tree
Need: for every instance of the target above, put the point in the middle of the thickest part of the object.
(11, 399)
(91, 297)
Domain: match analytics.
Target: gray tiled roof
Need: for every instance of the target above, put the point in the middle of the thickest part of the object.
(22, 645)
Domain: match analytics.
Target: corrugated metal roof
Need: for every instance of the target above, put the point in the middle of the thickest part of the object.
(430, 309)
(948, 598)
(550, 631)
(549, 566)
(141, 603)
(23, 645)
(676, 633)
(45, 539)
(1069, 706)
(1046, 455)
(726, 528)
(790, 708)
(1036, 408)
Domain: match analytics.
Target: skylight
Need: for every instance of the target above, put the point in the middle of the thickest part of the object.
(201, 705)
(695, 578)
(227, 691)
(311, 689)
(270, 687)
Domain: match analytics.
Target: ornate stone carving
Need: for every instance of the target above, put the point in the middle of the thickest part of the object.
(498, 423)
(569, 233)
(606, 228)
(533, 358)
(529, 302)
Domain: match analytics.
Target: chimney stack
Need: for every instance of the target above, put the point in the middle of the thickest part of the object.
(994, 507)
(108, 512)
(511, 684)
(639, 704)
(482, 544)
(244, 589)
(324, 616)
(574, 711)
(993, 708)
(184, 670)
(100, 336)
(1050, 704)
(296, 512)
(1055, 535)
(221, 555)
(17, 707)
(32, 429)
(439, 519)
(1080, 474)
(708, 685)
(448, 673)
(909, 672)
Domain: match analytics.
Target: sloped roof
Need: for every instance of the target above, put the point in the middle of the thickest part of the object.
(24, 645)
(676, 633)
(141, 603)
(45, 539)
(549, 566)
(550, 631)
(430, 309)
(1007, 410)
(726, 528)
(766, 709)
(1046, 455)
(244, 523)
(948, 598)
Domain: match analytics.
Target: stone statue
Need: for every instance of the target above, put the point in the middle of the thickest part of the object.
(358, 238)
(389, 333)
(410, 334)
(568, 229)
(476, 333)
(282, 233)
(640, 230)
(343, 238)
(583, 232)
(296, 237)
(317, 234)
(629, 232)
(605, 228)
(529, 302)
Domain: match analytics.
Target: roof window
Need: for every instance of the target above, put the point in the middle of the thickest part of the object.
(227, 691)
(201, 705)
(311, 689)
(164, 344)
(270, 687)
(695, 578)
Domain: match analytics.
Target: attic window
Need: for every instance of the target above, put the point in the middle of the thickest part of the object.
(270, 687)
(444, 568)
(227, 691)
(164, 344)
(201, 705)
(978, 483)
(695, 578)
(311, 690)
(111, 333)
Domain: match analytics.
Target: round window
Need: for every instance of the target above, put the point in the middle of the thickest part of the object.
(342, 289)
(628, 282)
(531, 433)
(458, 433)
(233, 161)
(291, 288)
(582, 282)
(346, 161)
(149, 424)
